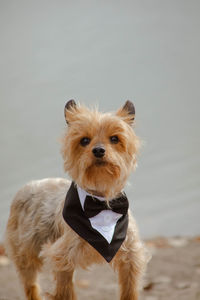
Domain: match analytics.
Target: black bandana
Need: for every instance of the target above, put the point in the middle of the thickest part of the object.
(76, 218)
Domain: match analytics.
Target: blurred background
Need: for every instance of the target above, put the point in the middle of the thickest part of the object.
(105, 52)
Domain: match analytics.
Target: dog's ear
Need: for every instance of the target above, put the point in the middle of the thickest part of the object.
(70, 108)
(127, 112)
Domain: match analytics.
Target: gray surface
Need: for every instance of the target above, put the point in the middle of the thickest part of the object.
(105, 52)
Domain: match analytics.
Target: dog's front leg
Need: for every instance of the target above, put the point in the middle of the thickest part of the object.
(57, 255)
(130, 264)
(128, 281)
(64, 286)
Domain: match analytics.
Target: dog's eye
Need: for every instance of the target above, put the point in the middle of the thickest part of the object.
(85, 141)
(114, 139)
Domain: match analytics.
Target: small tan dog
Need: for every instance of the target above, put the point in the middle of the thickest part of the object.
(99, 152)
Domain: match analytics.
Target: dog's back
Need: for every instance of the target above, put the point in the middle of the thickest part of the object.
(35, 216)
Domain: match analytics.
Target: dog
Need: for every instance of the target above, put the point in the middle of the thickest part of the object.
(48, 221)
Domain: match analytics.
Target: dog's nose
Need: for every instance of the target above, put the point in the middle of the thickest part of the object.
(98, 151)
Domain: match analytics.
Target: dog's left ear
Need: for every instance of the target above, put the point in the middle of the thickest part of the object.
(127, 112)
(69, 110)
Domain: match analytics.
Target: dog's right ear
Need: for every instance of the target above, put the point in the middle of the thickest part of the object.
(70, 108)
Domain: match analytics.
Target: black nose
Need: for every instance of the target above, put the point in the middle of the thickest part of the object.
(98, 151)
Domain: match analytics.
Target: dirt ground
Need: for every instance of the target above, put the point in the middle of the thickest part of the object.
(173, 273)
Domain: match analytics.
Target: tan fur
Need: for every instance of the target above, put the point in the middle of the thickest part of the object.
(36, 231)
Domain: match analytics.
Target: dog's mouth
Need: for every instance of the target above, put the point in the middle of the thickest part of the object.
(102, 170)
(100, 162)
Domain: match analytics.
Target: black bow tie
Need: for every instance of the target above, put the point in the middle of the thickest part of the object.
(93, 206)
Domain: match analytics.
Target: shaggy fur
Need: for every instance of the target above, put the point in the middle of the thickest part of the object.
(36, 231)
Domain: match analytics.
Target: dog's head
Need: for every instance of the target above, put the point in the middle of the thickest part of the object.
(99, 149)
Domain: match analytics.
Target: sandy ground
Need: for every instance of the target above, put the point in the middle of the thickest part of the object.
(173, 273)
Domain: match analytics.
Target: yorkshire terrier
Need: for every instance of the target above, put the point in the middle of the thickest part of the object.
(86, 221)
